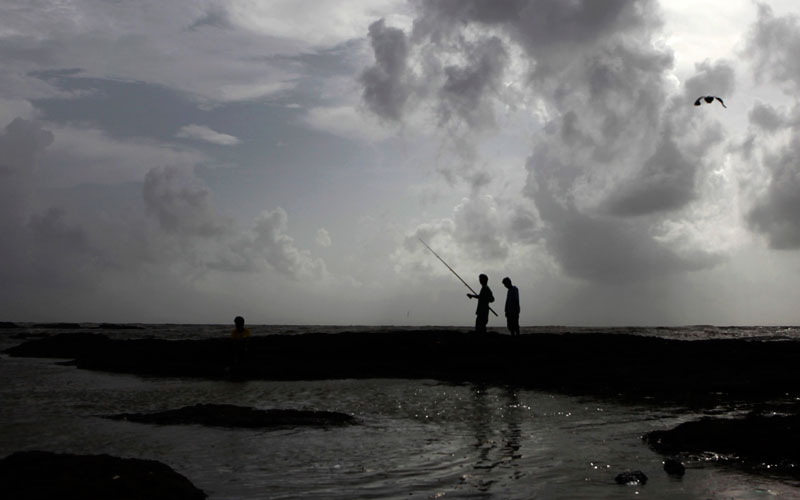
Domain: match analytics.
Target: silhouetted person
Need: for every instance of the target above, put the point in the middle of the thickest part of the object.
(512, 306)
(485, 297)
(239, 337)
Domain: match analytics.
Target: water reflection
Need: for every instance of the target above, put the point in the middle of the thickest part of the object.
(496, 423)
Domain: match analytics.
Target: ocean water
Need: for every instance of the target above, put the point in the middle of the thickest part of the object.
(417, 439)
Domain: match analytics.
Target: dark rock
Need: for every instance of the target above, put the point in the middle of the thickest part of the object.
(58, 326)
(631, 477)
(586, 363)
(116, 326)
(43, 475)
(64, 345)
(674, 467)
(753, 439)
(7, 325)
(239, 416)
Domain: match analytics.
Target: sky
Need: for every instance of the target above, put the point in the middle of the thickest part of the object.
(194, 160)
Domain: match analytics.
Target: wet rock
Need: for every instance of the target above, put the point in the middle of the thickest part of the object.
(752, 439)
(674, 467)
(220, 415)
(43, 475)
(65, 345)
(631, 477)
(58, 326)
(117, 326)
(585, 363)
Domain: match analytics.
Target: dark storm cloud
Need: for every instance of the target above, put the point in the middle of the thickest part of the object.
(767, 118)
(777, 214)
(620, 144)
(666, 182)
(463, 92)
(215, 17)
(603, 249)
(386, 83)
(773, 44)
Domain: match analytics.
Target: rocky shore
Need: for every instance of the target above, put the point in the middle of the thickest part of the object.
(43, 475)
(616, 365)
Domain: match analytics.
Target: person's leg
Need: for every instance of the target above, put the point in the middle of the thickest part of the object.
(480, 323)
(514, 325)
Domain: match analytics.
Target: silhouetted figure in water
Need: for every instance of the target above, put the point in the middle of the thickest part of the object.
(239, 331)
(239, 337)
(485, 297)
(512, 306)
(709, 99)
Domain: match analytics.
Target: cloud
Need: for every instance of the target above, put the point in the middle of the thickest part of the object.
(202, 133)
(323, 238)
(386, 85)
(464, 91)
(776, 214)
(267, 243)
(622, 156)
(773, 45)
(767, 118)
(479, 228)
(181, 204)
(22, 144)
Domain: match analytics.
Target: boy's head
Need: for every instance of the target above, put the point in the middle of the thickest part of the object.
(238, 321)
(507, 282)
(483, 279)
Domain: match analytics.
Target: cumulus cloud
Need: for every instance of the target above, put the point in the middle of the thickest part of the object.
(323, 238)
(386, 83)
(776, 214)
(181, 203)
(622, 154)
(267, 243)
(772, 46)
(203, 133)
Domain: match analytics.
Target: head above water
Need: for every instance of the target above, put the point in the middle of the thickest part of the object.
(483, 279)
(238, 321)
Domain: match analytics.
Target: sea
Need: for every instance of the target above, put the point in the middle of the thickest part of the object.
(416, 439)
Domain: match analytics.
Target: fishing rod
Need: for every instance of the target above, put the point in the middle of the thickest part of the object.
(451, 270)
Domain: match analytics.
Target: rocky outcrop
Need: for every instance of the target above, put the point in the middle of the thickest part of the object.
(635, 477)
(755, 439)
(601, 364)
(219, 415)
(43, 475)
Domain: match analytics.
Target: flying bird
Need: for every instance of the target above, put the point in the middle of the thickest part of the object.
(709, 99)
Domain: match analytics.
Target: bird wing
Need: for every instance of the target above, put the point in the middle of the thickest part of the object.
(697, 102)
(720, 101)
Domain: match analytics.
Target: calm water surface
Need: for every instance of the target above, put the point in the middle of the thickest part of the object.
(417, 438)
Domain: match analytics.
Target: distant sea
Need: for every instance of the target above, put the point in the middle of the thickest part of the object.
(417, 439)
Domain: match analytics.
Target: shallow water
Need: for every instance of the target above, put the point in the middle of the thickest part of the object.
(416, 438)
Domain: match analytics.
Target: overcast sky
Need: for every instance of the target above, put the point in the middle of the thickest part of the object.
(194, 160)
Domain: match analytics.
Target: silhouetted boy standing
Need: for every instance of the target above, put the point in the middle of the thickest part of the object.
(485, 297)
(512, 307)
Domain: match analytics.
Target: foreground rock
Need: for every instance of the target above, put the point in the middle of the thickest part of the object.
(602, 364)
(753, 440)
(239, 416)
(43, 475)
